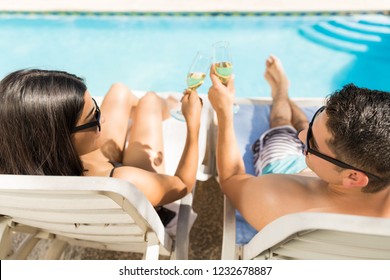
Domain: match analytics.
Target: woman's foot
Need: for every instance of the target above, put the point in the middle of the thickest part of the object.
(276, 78)
(170, 103)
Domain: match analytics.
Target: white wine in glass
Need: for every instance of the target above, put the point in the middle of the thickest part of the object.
(223, 64)
(223, 70)
(195, 77)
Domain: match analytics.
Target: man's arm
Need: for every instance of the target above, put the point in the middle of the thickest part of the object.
(247, 193)
(229, 160)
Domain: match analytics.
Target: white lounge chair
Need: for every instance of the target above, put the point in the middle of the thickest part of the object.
(97, 212)
(311, 236)
(300, 235)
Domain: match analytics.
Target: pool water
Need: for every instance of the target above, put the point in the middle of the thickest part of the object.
(319, 53)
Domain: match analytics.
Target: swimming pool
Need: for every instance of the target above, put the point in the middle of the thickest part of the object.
(320, 53)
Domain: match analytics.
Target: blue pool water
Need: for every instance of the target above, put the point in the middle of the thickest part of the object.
(320, 54)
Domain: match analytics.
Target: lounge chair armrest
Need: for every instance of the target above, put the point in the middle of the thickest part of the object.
(229, 231)
(183, 228)
(5, 237)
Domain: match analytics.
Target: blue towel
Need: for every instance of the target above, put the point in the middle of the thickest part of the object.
(249, 123)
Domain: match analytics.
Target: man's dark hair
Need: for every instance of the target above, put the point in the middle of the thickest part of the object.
(359, 121)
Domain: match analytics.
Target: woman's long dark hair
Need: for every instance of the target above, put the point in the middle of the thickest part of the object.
(38, 110)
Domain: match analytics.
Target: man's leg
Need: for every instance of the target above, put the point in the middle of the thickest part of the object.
(281, 113)
(279, 84)
(299, 119)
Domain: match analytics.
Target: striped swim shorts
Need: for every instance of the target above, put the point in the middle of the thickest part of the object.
(279, 151)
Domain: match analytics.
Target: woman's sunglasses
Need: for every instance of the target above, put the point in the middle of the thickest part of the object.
(96, 122)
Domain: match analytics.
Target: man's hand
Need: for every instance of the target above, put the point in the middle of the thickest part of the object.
(220, 96)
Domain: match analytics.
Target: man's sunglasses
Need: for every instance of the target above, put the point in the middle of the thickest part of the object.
(336, 162)
(94, 123)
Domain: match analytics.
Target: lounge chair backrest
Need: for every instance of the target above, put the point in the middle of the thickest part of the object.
(100, 212)
(308, 236)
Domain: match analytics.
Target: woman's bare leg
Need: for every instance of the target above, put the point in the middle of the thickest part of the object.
(145, 143)
(280, 110)
(116, 108)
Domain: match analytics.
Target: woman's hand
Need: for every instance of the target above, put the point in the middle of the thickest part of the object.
(191, 107)
(220, 96)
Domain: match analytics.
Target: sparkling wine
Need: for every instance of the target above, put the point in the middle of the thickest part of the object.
(223, 70)
(195, 79)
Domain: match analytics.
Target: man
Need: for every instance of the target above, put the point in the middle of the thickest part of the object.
(347, 146)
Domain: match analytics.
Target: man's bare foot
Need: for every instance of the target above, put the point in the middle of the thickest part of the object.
(276, 78)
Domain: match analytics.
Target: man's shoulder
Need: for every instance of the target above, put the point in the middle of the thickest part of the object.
(283, 186)
(279, 180)
(307, 172)
(278, 188)
(282, 193)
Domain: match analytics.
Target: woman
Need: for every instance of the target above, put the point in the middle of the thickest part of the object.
(50, 125)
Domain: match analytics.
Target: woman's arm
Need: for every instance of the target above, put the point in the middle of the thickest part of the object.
(188, 165)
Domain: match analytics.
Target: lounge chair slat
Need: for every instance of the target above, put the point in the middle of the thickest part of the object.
(103, 229)
(335, 238)
(104, 238)
(305, 249)
(89, 200)
(75, 216)
(135, 247)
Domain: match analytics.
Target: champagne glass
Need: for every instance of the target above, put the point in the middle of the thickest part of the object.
(223, 64)
(195, 77)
